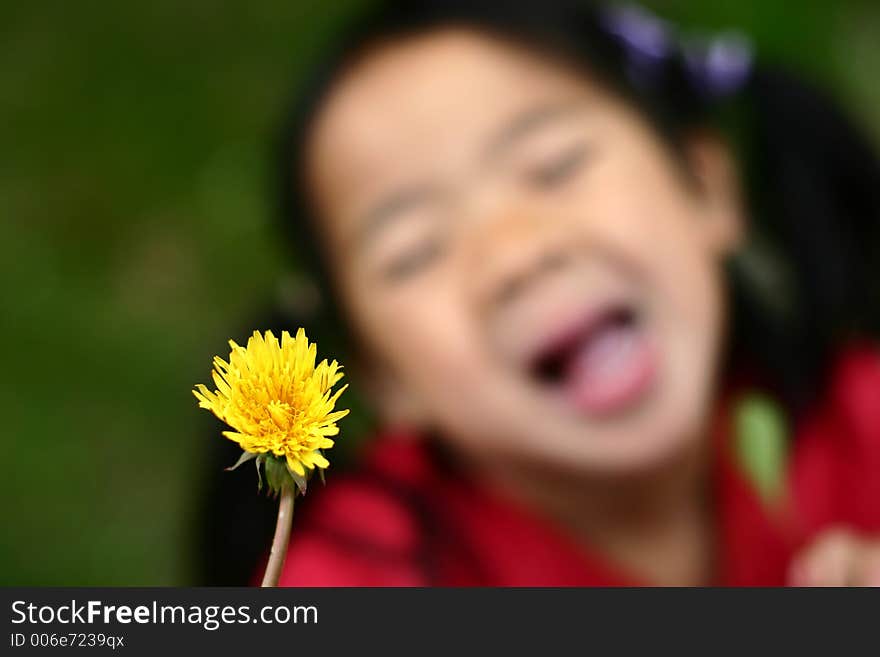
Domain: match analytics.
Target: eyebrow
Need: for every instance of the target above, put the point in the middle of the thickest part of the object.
(390, 209)
(526, 123)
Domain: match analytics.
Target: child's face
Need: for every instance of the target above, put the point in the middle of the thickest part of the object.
(528, 270)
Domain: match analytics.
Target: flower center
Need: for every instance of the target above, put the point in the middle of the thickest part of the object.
(281, 414)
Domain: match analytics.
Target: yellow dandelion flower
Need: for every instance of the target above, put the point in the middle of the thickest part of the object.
(277, 401)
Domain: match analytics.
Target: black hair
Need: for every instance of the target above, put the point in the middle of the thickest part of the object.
(807, 279)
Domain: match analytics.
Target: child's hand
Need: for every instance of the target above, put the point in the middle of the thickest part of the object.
(838, 557)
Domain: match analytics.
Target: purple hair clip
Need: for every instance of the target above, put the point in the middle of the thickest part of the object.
(646, 38)
(717, 67)
(721, 66)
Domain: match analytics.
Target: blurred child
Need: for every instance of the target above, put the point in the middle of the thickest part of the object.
(610, 294)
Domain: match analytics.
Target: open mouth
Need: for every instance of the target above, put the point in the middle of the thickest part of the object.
(600, 365)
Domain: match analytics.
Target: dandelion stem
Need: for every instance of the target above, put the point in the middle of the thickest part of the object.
(282, 536)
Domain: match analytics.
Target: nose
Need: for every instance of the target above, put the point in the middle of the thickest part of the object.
(513, 251)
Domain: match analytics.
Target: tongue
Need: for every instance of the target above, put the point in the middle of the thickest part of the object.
(610, 369)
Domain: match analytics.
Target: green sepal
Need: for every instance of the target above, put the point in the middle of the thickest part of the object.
(244, 458)
(260, 459)
(301, 481)
(277, 474)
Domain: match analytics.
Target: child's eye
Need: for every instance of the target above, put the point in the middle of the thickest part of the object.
(560, 168)
(412, 261)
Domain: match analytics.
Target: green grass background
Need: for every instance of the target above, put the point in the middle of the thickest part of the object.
(137, 237)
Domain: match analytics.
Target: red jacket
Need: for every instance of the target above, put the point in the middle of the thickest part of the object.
(404, 521)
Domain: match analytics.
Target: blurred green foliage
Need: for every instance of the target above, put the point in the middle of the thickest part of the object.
(137, 236)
